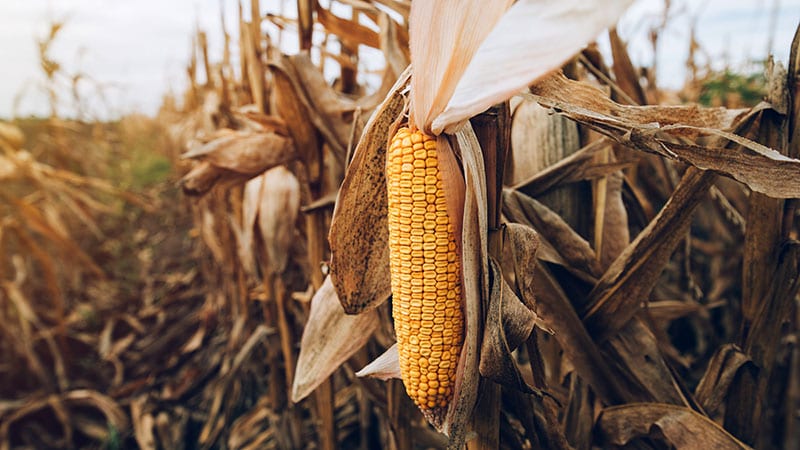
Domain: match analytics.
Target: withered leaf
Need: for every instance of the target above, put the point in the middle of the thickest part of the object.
(475, 269)
(578, 166)
(677, 132)
(721, 370)
(555, 311)
(329, 338)
(290, 106)
(245, 152)
(682, 427)
(326, 108)
(573, 248)
(509, 322)
(383, 367)
(619, 293)
(347, 30)
(359, 231)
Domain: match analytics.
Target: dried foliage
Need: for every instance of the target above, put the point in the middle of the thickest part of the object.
(630, 270)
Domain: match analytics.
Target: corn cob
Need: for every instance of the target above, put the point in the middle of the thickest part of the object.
(425, 272)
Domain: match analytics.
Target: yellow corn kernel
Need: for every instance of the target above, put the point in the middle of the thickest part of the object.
(425, 271)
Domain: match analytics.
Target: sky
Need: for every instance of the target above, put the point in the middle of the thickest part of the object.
(135, 51)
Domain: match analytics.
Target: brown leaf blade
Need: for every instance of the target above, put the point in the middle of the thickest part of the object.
(681, 427)
(509, 322)
(676, 132)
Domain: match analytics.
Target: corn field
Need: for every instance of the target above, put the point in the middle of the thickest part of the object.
(504, 238)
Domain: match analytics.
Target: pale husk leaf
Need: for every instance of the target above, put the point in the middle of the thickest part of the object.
(384, 367)
(442, 45)
(277, 213)
(475, 286)
(528, 42)
(329, 339)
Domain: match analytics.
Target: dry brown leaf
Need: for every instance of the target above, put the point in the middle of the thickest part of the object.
(625, 285)
(575, 250)
(476, 286)
(359, 231)
(581, 165)
(677, 132)
(614, 220)
(394, 50)
(329, 338)
(348, 31)
(509, 322)
(681, 427)
(326, 107)
(712, 390)
(625, 73)
(288, 103)
(245, 152)
(555, 311)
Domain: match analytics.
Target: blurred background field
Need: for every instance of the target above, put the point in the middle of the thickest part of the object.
(136, 314)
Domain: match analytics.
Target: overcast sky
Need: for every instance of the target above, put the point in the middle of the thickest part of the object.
(137, 50)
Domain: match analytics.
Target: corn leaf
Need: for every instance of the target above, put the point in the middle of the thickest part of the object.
(526, 44)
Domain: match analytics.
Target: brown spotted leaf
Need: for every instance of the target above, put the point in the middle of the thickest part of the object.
(359, 232)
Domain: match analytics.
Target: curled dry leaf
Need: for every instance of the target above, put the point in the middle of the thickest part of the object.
(574, 249)
(720, 373)
(236, 156)
(509, 322)
(244, 152)
(555, 311)
(350, 32)
(359, 231)
(329, 338)
(677, 132)
(289, 104)
(681, 427)
(326, 108)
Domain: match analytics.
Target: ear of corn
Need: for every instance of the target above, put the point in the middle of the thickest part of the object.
(425, 272)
